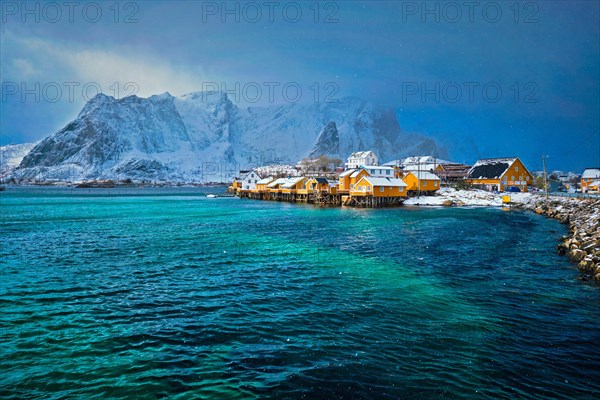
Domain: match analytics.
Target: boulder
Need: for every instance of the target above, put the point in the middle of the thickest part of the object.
(577, 254)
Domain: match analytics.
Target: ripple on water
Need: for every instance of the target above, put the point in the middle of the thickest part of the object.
(143, 297)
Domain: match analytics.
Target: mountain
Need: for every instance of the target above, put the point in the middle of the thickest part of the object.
(328, 142)
(11, 156)
(204, 136)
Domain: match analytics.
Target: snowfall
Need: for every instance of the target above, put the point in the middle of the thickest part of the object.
(444, 196)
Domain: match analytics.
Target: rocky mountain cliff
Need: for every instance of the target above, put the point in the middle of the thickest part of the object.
(187, 138)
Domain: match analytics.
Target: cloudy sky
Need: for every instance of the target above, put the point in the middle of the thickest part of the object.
(484, 78)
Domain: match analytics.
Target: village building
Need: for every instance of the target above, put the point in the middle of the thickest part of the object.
(452, 172)
(360, 158)
(379, 187)
(248, 180)
(590, 179)
(421, 181)
(276, 184)
(318, 184)
(261, 185)
(293, 184)
(500, 174)
(349, 178)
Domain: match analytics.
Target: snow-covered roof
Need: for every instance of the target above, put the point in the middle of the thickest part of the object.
(591, 173)
(425, 175)
(347, 172)
(355, 173)
(361, 154)
(245, 174)
(390, 182)
(490, 168)
(279, 181)
(419, 167)
(424, 160)
(264, 181)
(393, 163)
(292, 182)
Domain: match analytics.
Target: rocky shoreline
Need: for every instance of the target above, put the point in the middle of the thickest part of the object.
(582, 245)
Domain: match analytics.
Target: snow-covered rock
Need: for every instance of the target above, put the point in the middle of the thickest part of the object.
(451, 196)
(11, 156)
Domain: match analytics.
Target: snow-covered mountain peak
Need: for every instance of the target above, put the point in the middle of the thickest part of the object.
(176, 138)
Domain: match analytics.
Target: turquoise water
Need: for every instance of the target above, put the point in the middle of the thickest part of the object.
(154, 293)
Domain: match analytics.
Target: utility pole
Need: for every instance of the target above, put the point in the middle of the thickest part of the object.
(545, 176)
(419, 174)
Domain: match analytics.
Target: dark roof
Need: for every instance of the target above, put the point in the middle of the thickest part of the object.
(322, 180)
(490, 168)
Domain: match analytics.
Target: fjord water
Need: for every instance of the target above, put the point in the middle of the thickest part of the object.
(169, 294)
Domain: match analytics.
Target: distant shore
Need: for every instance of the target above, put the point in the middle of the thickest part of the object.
(113, 184)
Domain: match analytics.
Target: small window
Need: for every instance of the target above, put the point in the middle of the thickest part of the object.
(435, 183)
(512, 177)
(526, 178)
(387, 172)
(381, 189)
(517, 169)
(368, 188)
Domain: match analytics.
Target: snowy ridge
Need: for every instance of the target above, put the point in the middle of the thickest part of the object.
(204, 136)
(11, 156)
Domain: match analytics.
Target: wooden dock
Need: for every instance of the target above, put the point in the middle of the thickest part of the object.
(324, 198)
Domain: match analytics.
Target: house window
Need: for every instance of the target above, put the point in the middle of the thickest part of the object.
(526, 178)
(368, 188)
(381, 189)
(512, 177)
(435, 183)
(387, 172)
(516, 169)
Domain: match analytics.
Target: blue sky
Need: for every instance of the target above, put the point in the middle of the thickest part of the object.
(487, 79)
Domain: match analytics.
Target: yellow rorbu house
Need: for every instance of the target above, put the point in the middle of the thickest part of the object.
(421, 181)
(349, 178)
(500, 174)
(261, 185)
(379, 187)
(321, 185)
(590, 179)
(292, 185)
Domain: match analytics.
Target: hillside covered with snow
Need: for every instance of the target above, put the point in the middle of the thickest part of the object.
(204, 136)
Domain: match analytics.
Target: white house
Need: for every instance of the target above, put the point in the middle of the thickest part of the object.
(359, 158)
(249, 179)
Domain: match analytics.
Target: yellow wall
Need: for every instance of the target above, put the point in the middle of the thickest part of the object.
(585, 183)
(346, 182)
(517, 172)
(388, 191)
(426, 184)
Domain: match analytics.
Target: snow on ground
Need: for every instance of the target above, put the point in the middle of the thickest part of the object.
(451, 196)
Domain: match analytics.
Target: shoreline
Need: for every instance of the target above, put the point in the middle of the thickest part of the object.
(582, 244)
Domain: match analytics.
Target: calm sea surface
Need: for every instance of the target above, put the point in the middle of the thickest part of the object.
(151, 293)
